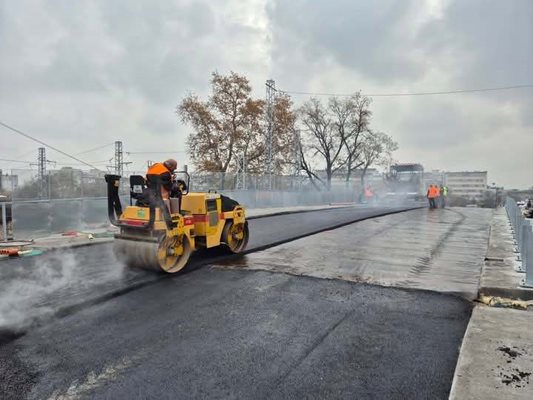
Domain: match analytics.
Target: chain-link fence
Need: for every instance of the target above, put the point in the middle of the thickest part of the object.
(71, 183)
(65, 183)
(71, 199)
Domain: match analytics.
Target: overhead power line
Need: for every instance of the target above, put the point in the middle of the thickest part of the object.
(95, 148)
(155, 152)
(492, 89)
(88, 151)
(32, 151)
(102, 162)
(47, 145)
(17, 161)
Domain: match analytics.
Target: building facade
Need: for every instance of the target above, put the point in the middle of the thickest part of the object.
(8, 183)
(467, 184)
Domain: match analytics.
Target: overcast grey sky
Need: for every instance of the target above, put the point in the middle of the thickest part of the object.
(78, 74)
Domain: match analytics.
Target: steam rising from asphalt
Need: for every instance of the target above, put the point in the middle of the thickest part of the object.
(37, 289)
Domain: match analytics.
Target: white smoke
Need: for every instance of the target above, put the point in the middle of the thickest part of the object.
(38, 288)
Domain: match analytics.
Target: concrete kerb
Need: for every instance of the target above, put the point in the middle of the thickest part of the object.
(483, 368)
(496, 357)
(499, 277)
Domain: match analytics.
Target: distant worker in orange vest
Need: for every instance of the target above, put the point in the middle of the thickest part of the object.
(368, 193)
(436, 197)
(165, 170)
(432, 195)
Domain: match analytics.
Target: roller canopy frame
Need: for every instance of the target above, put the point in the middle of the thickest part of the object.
(114, 206)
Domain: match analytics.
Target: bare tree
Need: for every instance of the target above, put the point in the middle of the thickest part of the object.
(307, 166)
(231, 124)
(252, 144)
(322, 140)
(284, 133)
(352, 120)
(377, 149)
(283, 136)
(220, 123)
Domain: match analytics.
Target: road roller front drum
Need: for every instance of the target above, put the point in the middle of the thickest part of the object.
(173, 253)
(167, 255)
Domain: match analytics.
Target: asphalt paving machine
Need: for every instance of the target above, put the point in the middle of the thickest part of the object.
(404, 183)
(161, 234)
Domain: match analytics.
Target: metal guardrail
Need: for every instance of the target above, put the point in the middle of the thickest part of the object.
(523, 236)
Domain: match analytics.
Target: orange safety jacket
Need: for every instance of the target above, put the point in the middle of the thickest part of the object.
(165, 175)
(433, 192)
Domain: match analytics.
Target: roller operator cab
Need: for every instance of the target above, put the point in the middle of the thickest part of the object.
(161, 234)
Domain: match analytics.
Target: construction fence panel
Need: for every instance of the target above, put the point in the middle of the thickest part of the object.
(70, 199)
(65, 183)
(34, 218)
(41, 217)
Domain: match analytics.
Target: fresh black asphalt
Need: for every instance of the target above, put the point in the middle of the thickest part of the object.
(247, 335)
(213, 333)
(64, 281)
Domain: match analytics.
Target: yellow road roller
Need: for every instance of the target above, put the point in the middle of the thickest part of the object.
(161, 234)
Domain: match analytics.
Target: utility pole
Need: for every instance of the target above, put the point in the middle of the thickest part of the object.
(296, 156)
(270, 99)
(241, 172)
(119, 164)
(296, 153)
(41, 165)
(119, 159)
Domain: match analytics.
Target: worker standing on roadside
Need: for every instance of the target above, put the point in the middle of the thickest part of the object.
(369, 194)
(437, 196)
(165, 171)
(431, 195)
(443, 195)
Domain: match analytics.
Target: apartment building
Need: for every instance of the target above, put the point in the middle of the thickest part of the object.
(467, 184)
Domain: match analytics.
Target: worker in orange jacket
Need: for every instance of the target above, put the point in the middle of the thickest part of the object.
(432, 195)
(437, 196)
(165, 171)
(369, 194)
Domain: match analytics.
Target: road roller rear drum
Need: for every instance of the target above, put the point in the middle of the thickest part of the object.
(235, 236)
